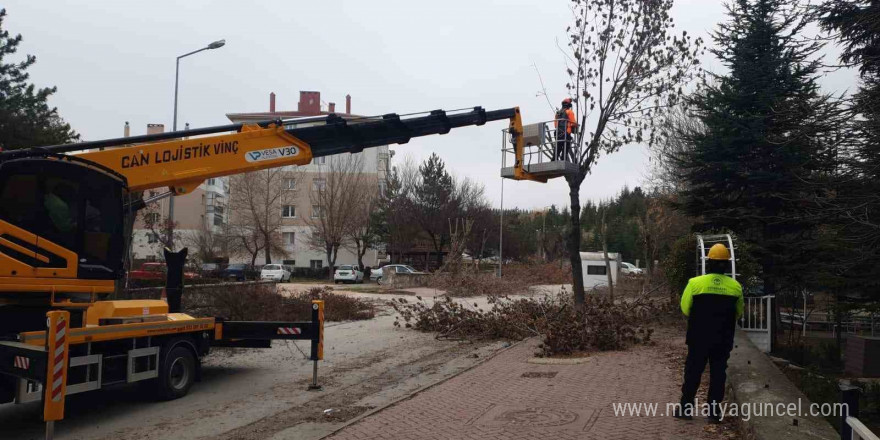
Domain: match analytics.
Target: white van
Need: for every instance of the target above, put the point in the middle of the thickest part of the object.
(595, 271)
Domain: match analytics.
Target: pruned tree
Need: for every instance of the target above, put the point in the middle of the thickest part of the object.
(26, 120)
(625, 66)
(334, 197)
(256, 201)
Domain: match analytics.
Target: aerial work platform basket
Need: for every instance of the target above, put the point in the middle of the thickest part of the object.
(535, 152)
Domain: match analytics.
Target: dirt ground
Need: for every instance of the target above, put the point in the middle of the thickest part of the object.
(261, 394)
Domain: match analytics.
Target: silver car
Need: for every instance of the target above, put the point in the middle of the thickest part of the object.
(376, 274)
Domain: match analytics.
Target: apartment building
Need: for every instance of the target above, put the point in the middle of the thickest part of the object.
(300, 181)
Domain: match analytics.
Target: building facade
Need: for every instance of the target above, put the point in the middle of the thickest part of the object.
(302, 180)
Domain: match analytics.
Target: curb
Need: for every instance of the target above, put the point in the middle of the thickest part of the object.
(420, 390)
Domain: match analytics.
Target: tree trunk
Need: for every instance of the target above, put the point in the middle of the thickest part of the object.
(267, 251)
(361, 251)
(330, 260)
(574, 240)
(605, 256)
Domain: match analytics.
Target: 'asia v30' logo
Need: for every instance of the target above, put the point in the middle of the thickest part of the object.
(271, 153)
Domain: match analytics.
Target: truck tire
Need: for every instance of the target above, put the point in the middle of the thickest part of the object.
(176, 374)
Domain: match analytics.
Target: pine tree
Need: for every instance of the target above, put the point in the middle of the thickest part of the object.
(766, 127)
(26, 120)
(434, 202)
(856, 195)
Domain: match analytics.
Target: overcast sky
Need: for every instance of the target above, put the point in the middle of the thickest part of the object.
(113, 61)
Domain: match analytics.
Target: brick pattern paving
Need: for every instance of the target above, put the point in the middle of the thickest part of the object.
(496, 401)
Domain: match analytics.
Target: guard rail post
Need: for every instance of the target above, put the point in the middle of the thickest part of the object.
(317, 352)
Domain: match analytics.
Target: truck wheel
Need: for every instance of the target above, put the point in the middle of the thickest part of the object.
(177, 373)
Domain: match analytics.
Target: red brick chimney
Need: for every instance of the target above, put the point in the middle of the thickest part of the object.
(272, 102)
(331, 108)
(309, 103)
(348, 104)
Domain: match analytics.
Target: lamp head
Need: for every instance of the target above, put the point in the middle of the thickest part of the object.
(217, 44)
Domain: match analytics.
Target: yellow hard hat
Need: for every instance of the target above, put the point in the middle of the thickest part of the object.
(719, 252)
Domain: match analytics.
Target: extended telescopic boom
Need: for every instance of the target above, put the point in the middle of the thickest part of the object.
(181, 161)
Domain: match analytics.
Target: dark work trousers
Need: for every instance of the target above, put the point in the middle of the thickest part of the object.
(698, 355)
(563, 141)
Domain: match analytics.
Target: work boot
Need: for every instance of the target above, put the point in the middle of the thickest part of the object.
(681, 414)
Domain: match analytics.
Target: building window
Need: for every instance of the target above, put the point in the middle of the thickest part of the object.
(151, 217)
(596, 270)
(320, 160)
(288, 238)
(210, 181)
(289, 184)
(288, 211)
(152, 237)
(319, 184)
(218, 219)
(289, 262)
(316, 264)
(317, 211)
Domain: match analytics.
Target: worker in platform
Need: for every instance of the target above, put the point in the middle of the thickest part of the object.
(712, 303)
(566, 124)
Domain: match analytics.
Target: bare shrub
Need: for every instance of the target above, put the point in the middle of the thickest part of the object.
(599, 325)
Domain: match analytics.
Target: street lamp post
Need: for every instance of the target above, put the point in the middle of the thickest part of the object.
(215, 45)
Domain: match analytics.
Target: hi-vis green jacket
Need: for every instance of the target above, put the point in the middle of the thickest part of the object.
(712, 303)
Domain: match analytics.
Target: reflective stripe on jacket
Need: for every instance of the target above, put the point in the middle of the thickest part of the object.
(712, 304)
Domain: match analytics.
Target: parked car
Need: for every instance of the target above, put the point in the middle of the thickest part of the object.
(275, 272)
(211, 270)
(239, 272)
(348, 274)
(629, 269)
(376, 274)
(156, 271)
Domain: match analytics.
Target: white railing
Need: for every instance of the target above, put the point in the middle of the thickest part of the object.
(757, 320)
(757, 313)
(859, 430)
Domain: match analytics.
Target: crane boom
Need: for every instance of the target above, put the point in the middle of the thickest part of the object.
(182, 162)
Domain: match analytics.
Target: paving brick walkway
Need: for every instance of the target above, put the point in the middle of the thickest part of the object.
(509, 398)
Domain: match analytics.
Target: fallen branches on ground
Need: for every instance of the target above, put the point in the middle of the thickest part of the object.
(565, 329)
(517, 278)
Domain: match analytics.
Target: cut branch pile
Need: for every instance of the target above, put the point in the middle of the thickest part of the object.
(599, 325)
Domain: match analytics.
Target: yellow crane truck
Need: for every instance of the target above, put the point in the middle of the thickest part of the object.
(62, 248)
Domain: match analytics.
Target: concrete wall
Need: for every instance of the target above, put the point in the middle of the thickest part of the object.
(752, 378)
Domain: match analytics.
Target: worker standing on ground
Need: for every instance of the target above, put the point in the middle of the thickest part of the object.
(712, 303)
(565, 123)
